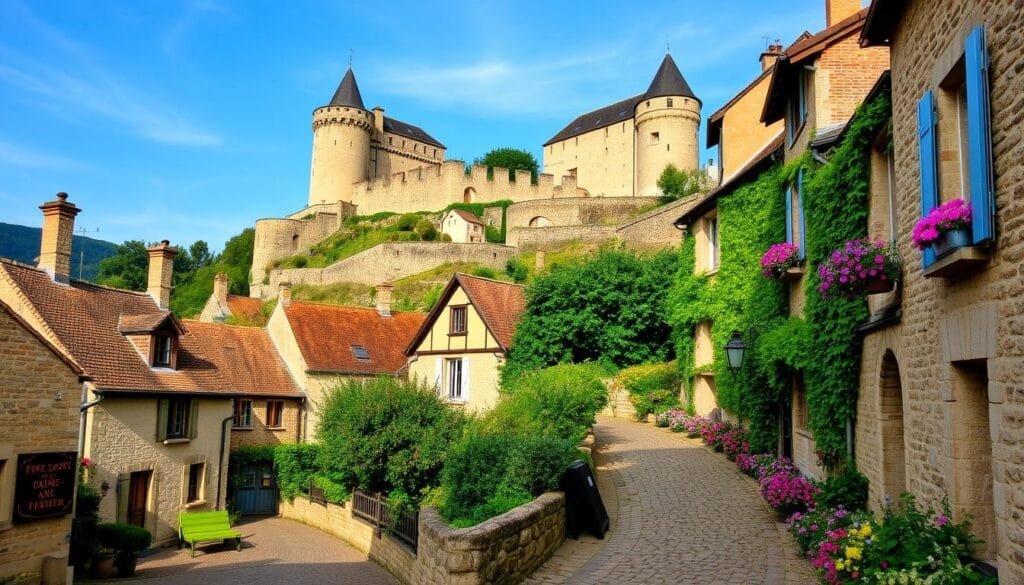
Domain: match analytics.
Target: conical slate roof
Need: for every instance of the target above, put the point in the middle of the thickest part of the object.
(669, 81)
(348, 92)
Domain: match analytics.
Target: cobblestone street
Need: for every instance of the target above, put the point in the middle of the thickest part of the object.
(680, 514)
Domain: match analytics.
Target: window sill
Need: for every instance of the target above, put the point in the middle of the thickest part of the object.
(793, 274)
(277, 428)
(712, 271)
(233, 429)
(959, 262)
(803, 433)
(176, 441)
(706, 373)
(463, 334)
(195, 504)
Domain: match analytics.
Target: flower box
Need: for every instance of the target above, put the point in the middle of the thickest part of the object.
(859, 267)
(951, 240)
(878, 287)
(945, 228)
(779, 260)
(958, 262)
(793, 274)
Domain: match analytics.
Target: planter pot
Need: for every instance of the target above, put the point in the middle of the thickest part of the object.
(103, 565)
(877, 287)
(793, 274)
(126, 564)
(951, 240)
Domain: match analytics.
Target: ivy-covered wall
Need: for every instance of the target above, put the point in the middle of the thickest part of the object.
(824, 344)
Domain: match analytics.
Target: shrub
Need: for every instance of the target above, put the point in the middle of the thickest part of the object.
(517, 269)
(812, 527)
(560, 401)
(487, 474)
(407, 222)
(653, 388)
(848, 488)
(385, 435)
(295, 465)
(788, 491)
(493, 235)
(445, 238)
(122, 537)
(484, 272)
(425, 228)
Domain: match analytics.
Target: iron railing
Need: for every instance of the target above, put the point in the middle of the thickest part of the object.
(373, 509)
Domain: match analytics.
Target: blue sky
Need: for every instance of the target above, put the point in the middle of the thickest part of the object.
(190, 120)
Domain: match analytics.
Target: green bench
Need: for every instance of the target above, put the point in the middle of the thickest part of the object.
(203, 527)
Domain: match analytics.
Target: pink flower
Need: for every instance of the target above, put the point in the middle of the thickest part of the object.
(941, 520)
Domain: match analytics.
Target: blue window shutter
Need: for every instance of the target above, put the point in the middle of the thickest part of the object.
(789, 214)
(800, 213)
(979, 138)
(929, 173)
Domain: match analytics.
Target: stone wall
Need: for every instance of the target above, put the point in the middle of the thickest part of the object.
(40, 395)
(388, 262)
(619, 405)
(533, 238)
(282, 237)
(577, 211)
(259, 434)
(502, 550)
(658, 225)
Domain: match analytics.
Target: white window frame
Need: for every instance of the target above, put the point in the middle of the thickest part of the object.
(456, 379)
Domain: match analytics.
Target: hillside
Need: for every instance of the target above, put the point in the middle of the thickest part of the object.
(21, 243)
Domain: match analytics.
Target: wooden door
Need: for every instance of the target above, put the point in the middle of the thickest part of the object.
(138, 495)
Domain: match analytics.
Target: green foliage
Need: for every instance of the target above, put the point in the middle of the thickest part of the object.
(193, 283)
(517, 270)
(487, 474)
(750, 219)
(127, 268)
(511, 158)
(611, 307)
(21, 243)
(677, 184)
(295, 465)
(848, 488)
(485, 272)
(387, 435)
(122, 537)
(407, 222)
(426, 230)
(653, 388)
(83, 527)
(493, 235)
(376, 217)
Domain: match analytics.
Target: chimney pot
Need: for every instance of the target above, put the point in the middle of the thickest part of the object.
(384, 298)
(161, 271)
(58, 232)
(770, 55)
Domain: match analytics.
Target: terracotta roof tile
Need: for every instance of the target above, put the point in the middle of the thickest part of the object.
(500, 304)
(247, 307)
(326, 335)
(85, 319)
(471, 218)
(144, 323)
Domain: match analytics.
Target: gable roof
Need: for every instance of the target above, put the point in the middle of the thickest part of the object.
(347, 93)
(409, 131)
(72, 365)
(326, 333)
(147, 322)
(247, 307)
(86, 320)
(471, 218)
(668, 81)
(597, 119)
(499, 304)
(715, 119)
(789, 62)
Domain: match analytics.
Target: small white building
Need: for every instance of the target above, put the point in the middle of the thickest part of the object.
(463, 227)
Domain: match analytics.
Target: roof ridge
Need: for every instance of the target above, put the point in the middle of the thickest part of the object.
(357, 307)
(13, 262)
(490, 279)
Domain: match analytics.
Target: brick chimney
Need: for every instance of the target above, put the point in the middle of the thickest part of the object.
(161, 269)
(378, 119)
(220, 289)
(384, 298)
(58, 229)
(837, 10)
(770, 55)
(284, 293)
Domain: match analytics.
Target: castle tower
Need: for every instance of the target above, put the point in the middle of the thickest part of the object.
(667, 123)
(341, 144)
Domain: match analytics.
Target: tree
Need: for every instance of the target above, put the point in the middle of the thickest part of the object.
(677, 184)
(511, 158)
(127, 268)
(611, 308)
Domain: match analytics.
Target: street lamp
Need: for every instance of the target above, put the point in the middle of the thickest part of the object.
(734, 350)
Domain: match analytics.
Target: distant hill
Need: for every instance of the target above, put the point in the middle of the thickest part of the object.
(21, 243)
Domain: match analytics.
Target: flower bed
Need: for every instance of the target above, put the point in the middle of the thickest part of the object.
(857, 267)
(778, 259)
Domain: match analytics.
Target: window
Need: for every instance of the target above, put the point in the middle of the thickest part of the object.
(458, 321)
(360, 352)
(713, 243)
(457, 377)
(799, 404)
(954, 141)
(243, 414)
(669, 101)
(162, 351)
(391, 140)
(176, 418)
(274, 410)
(195, 482)
(797, 114)
(795, 214)
(655, 138)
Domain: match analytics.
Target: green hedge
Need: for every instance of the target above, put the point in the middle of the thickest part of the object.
(653, 388)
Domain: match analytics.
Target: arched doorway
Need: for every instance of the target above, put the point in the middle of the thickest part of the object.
(295, 243)
(540, 221)
(890, 416)
(469, 195)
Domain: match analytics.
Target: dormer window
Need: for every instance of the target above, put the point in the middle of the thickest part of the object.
(162, 347)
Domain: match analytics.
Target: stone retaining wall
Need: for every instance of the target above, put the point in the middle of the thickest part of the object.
(502, 550)
(619, 405)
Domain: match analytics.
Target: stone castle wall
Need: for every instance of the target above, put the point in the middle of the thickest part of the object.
(665, 135)
(503, 550)
(576, 211)
(602, 159)
(282, 237)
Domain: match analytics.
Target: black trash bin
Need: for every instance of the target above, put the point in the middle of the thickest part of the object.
(583, 506)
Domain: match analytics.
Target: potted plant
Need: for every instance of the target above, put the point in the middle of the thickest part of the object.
(103, 563)
(945, 228)
(859, 267)
(128, 540)
(779, 259)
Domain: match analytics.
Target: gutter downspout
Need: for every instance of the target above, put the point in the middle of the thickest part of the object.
(220, 461)
(83, 407)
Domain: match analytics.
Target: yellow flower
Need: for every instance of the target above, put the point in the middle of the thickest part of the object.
(853, 553)
(866, 530)
(840, 564)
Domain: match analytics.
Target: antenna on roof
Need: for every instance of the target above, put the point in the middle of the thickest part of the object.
(351, 53)
(81, 250)
(767, 41)
(668, 48)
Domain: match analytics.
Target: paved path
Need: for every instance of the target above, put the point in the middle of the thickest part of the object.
(274, 550)
(680, 514)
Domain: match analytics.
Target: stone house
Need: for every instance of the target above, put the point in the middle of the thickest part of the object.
(940, 397)
(322, 345)
(160, 395)
(816, 85)
(222, 305)
(39, 387)
(462, 226)
(464, 339)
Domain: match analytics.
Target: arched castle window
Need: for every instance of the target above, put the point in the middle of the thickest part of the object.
(540, 221)
(468, 195)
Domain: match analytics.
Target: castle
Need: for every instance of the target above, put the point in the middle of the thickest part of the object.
(365, 162)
